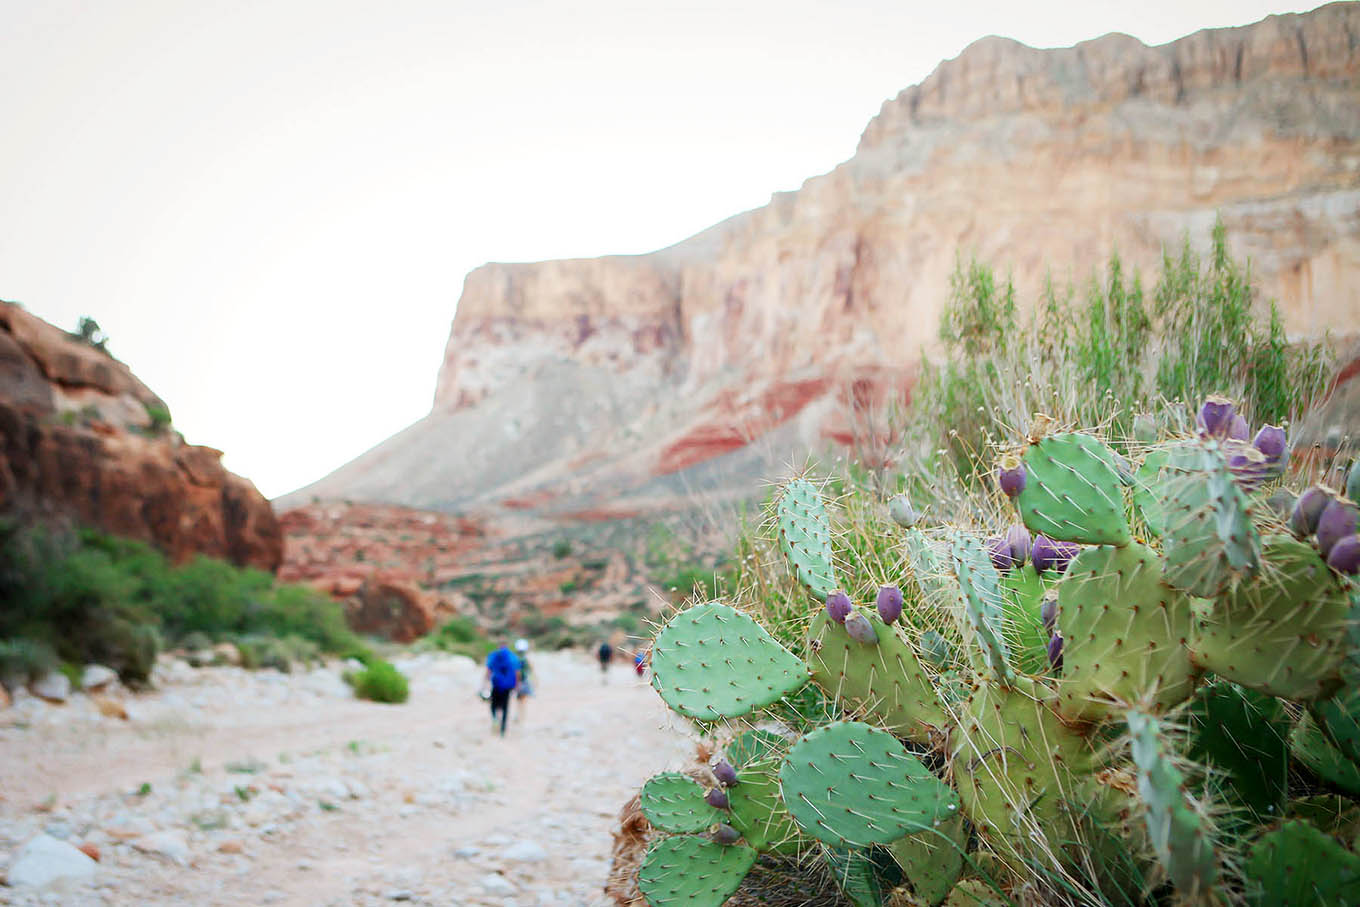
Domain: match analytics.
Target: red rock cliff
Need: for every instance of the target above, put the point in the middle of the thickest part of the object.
(565, 377)
(77, 440)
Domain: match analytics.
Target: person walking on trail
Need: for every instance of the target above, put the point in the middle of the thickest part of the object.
(640, 663)
(606, 654)
(524, 689)
(502, 674)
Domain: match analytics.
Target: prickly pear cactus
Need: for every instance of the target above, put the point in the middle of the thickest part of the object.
(758, 812)
(1209, 537)
(754, 745)
(980, 587)
(1073, 491)
(885, 681)
(1298, 865)
(805, 536)
(712, 661)
(1178, 832)
(1310, 746)
(1244, 735)
(934, 577)
(1124, 633)
(1012, 760)
(673, 801)
(1023, 628)
(1339, 714)
(851, 785)
(932, 861)
(692, 871)
(1282, 633)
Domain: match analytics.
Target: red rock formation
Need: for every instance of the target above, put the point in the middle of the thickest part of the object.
(578, 383)
(394, 610)
(78, 441)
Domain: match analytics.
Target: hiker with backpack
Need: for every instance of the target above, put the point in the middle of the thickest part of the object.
(524, 689)
(502, 675)
(606, 654)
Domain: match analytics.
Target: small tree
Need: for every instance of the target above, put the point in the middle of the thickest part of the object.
(90, 332)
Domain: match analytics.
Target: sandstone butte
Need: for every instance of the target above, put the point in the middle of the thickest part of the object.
(78, 444)
(590, 388)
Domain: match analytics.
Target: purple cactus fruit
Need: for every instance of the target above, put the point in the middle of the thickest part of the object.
(1048, 613)
(860, 630)
(726, 835)
(725, 773)
(889, 603)
(1338, 520)
(1239, 430)
(1000, 552)
(1345, 556)
(1303, 521)
(1048, 554)
(1271, 442)
(837, 606)
(1216, 416)
(717, 798)
(1055, 651)
(1019, 542)
(902, 513)
(1010, 475)
(1247, 464)
(1145, 428)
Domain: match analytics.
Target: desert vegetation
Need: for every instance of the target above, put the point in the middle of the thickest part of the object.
(1090, 641)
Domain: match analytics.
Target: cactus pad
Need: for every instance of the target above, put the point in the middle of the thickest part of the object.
(930, 568)
(673, 801)
(1283, 632)
(1312, 748)
(712, 661)
(1024, 633)
(1013, 759)
(1245, 735)
(885, 681)
(1178, 833)
(1209, 536)
(1124, 633)
(758, 812)
(851, 785)
(980, 587)
(1300, 866)
(755, 745)
(932, 861)
(1339, 715)
(1073, 492)
(805, 536)
(692, 871)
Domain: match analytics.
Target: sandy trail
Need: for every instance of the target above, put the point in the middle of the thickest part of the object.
(273, 789)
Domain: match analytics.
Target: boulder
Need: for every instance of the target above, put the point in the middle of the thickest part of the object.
(53, 686)
(226, 653)
(395, 610)
(96, 677)
(44, 860)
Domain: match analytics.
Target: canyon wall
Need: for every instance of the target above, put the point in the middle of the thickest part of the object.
(82, 440)
(625, 381)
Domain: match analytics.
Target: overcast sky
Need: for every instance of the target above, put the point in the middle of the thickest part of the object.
(270, 206)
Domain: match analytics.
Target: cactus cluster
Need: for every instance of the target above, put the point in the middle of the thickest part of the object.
(1131, 692)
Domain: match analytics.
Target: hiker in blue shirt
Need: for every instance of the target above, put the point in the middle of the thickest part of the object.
(502, 673)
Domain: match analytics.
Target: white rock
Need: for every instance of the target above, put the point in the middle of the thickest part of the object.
(95, 677)
(467, 853)
(525, 852)
(496, 884)
(44, 860)
(168, 844)
(53, 686)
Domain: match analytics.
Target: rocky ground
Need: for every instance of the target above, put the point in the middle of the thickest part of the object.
(229, 787)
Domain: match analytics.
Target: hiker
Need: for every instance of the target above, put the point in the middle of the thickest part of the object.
(606, 654)
(524, 689)
(502, 675)
(640, 663)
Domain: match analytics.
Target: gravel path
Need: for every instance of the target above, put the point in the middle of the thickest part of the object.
(232, 787)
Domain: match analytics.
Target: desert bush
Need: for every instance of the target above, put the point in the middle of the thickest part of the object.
(459, 635)
(380, 681)
(24, 660)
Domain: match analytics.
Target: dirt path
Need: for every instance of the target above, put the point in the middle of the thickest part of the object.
(272, 789)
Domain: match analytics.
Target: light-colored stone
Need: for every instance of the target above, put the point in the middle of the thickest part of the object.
(226, 653)
(44, 860)
(53, 686)
(493, 883)
(525, 852)
(96, 677)
(170, 844)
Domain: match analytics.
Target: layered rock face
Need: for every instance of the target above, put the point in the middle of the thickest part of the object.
(79, 441)
(568, 385)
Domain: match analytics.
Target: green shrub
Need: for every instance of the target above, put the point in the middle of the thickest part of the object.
(561, 549)
(381, 682)
(458, 636)
(159, 416)
(24, 660)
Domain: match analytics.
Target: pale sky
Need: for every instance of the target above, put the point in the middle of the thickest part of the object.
(270, 206)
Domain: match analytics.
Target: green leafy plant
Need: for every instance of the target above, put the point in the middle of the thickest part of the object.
(380, 681)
